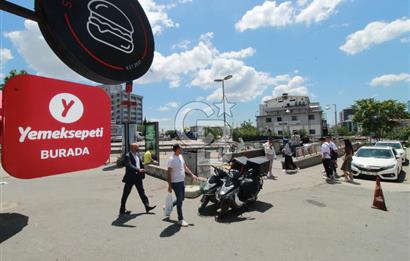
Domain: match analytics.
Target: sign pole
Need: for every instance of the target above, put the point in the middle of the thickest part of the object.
(128, 90)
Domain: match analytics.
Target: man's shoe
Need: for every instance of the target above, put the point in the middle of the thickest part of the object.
(125, 212)
(182, 223)
(149, 208)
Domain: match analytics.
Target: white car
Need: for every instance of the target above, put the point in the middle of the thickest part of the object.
(377, 161)
(395, 145)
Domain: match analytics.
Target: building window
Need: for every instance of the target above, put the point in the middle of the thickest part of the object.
(268, 119)
(279, 119)
(280, 132)
(311, 117)
(312, 132)
(294, 118)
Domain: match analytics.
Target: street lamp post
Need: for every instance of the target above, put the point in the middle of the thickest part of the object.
(223, 95)
(287, 122)
(334, 106)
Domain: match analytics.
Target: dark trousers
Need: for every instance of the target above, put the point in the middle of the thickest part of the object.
(328, 165)
(179, 189)
(289, 162)
(127, 190)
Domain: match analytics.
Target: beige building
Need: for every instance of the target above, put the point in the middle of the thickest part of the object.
(289, 114)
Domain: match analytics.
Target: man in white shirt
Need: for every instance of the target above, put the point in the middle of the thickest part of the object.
(333, 154)
(176, 177)
(270, 155)
(326, 159)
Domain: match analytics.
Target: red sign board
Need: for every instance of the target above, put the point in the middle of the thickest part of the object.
(52, 127)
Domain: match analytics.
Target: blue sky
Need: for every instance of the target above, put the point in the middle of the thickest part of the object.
(335, 51)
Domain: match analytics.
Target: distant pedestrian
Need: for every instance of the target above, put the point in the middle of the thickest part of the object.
(176, 177)
(134, 174)
(270, 155)
(333, 154)
(347, 161)
(287, 152)
(326, 158)
(148, 155)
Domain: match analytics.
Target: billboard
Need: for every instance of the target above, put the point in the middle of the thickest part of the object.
(52, 127)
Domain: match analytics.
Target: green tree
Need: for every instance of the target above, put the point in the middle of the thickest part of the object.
(12, 74)
(171, 133)
(216, 132)
(245, 130)
(302, 133)
(378, 117)
(341, 131)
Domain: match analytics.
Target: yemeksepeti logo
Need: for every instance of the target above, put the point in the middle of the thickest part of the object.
(66, 108)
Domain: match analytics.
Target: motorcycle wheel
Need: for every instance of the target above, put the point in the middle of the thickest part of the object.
(224, 208)
(204, 202)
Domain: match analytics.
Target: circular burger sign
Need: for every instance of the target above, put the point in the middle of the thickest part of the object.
(106, 41)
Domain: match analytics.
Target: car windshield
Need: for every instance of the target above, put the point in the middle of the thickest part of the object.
(375, 153)
(393, 145)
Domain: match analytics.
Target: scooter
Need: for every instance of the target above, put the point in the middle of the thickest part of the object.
(211, 188)
(239, 190)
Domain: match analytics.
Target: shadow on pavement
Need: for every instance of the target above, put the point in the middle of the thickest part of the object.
(316, 203)
(235, 215)
(122, 219)
(109, 168)
(171, 229)
(11, 224)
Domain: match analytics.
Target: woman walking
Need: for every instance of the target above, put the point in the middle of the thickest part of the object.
(347, 161)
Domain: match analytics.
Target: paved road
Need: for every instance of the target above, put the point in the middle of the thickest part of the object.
(297, 217)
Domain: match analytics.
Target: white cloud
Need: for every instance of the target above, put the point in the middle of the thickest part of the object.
(317, 11)
(31, 45)
(390, 79)
(183, 45)
(239, 55)
(158, 16)
(270, 13)
(292, 85)
(405, 40)
(169, 106)
(5, 56)
(203, 63)
(375, 33)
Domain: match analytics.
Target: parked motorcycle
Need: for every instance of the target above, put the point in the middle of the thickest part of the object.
(239, 189)
(212, 187)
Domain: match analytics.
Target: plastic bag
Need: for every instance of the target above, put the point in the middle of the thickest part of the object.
(169, 205)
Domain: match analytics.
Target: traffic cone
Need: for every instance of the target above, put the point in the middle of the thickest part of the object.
(378, 201)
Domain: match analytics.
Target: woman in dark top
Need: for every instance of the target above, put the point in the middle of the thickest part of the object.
(347, 161)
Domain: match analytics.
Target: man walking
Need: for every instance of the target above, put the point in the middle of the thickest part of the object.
(326, 159)
(270, 155)
(134, 174)
(176, 177)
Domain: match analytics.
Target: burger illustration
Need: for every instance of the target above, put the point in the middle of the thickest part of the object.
(109, 25)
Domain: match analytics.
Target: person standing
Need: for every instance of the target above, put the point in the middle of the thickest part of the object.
(270, 155)
(148, 156)
(287, 152)
(347, 161)
(326, 159)
(333, 154)
(176, 177)
(134, 174)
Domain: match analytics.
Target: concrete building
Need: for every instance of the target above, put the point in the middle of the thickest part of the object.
(119, 112)
(346, 120)
(289, 114)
